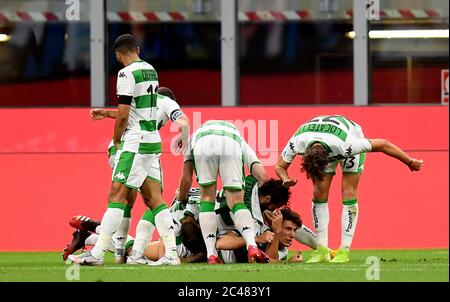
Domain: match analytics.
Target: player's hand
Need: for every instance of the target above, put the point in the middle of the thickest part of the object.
(296, 258)
(415, 164)
(276, 220)
(266, 237)
(180, 145)
(289, 182)
(97, 114)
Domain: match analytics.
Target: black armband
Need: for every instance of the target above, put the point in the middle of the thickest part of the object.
(125, 99)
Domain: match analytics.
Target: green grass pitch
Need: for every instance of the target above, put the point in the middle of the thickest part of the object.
(395, 265)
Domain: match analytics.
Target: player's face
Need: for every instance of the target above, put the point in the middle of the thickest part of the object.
(287, 234)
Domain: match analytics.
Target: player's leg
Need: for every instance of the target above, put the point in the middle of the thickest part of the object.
(206, 162)
(151, 193)
(352, 169)
(120, 237)
(306, 236)
(144, 232)
(129, 172)
(321, 218)
(231, 168)
(109, 225)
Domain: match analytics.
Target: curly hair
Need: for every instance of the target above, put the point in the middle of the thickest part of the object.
(274, 187)
(314, 162)
(290, 215)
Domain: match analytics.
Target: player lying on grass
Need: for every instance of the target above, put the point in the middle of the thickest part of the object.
(218, 149)
(275, 241)
(324, 142)
(190, 245)
(270, 196)
(167, 109)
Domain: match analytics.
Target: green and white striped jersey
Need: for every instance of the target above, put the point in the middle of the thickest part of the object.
(166, 109)
(223, 128)
(140, 80)
(340, 136)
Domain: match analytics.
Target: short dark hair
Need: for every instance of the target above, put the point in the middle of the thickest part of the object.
(126, 44)
(166, 92)
(290, 215)
(192, 237)
(315, 161)
(279, 194)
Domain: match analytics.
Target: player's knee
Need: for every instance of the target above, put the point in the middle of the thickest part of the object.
(349, 193)
(319, 194)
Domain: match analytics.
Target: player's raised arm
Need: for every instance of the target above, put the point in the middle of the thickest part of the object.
(388, 148)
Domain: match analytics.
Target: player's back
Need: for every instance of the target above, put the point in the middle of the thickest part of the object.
(218, 128)
(332, 130)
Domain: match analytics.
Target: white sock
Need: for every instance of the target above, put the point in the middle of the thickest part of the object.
(243, 221)
(208, 225)
(349, 220)
(307, 237)
(321, 218)
(144, 232)
(91, 240)
(110, 223)
(120, 236)
(164, 225)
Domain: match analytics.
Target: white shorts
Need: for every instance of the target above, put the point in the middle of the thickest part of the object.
(132, 169)
(354, 164)
(216, 155)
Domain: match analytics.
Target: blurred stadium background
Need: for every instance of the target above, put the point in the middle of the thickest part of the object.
(280, 61)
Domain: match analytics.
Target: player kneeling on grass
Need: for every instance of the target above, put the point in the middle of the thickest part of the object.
(324, 142)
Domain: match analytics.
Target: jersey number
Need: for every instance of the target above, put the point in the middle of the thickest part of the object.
(351, 162)
(329, 119)
(153, 91)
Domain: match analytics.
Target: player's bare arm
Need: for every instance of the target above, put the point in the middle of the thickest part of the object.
(258, 172)
(100, 113)
(121, 123)
(281, 168)
(388, 148)
(186, 180)
(183, 124)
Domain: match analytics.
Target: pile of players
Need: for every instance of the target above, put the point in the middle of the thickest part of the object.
(247, 220)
